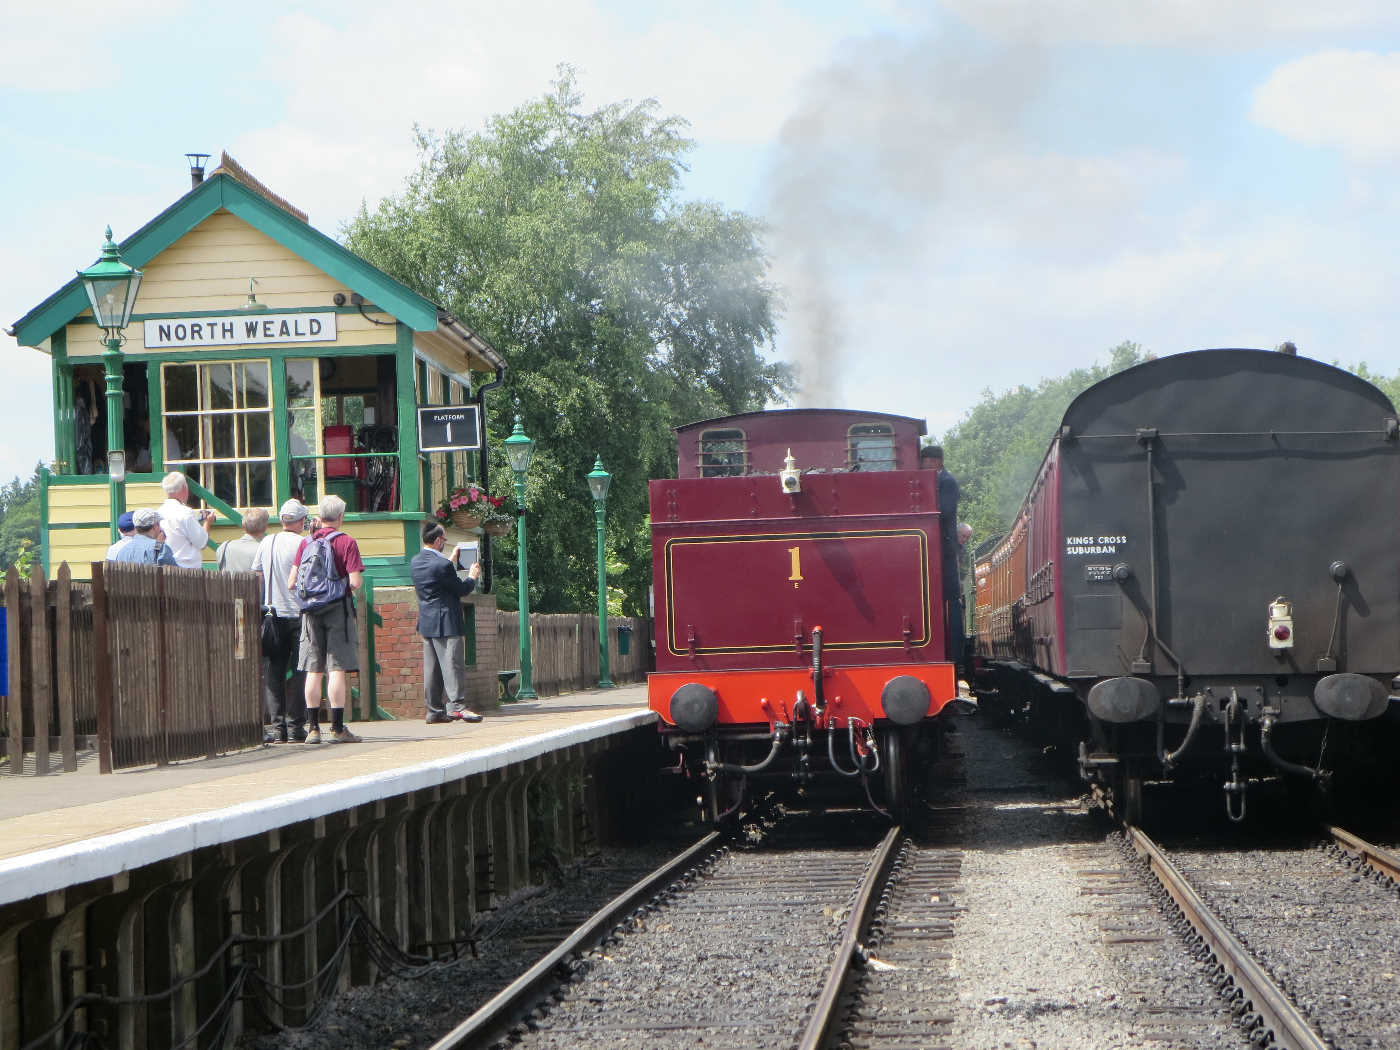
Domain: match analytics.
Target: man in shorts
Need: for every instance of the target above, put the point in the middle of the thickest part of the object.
(330, 646)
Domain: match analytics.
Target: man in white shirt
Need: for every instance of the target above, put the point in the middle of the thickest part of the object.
(186, 534)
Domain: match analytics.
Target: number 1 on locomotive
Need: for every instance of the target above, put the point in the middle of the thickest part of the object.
(796, 576)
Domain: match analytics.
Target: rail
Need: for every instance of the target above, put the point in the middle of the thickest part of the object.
(1272, 1008)
(494, 1020)
(1381, 860)
(825, 1012)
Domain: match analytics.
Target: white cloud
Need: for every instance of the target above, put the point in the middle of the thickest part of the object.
(1349, 100)
(1235, 23)
(65, 46)
(355, 86)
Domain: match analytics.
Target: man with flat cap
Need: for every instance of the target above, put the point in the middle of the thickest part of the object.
(147, 546)
(440, 593)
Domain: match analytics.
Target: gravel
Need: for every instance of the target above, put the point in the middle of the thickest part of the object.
(1059, 944)
(1327, 934)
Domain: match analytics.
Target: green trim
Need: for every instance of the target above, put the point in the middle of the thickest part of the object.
(411, 481)
(283, 352)
(61, 526)
(281, 434)
(155, 405)
(44, 519)
(64, 441)
(383, 515)
(223, 191)
(101, 479)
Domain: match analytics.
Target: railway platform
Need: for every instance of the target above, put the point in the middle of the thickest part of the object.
(135, 878)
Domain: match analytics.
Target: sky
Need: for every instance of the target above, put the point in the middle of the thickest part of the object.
(961, 195)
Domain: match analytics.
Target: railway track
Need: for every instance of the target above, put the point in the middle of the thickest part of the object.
(1300, 941)
(746, 947)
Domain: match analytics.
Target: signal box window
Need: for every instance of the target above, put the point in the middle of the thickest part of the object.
(723, 454)
(218, 428)
(872, 446)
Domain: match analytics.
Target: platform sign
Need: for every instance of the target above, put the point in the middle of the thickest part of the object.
(449, 428)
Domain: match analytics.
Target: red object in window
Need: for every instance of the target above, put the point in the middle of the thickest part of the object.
(339, 439)
(1281, 632)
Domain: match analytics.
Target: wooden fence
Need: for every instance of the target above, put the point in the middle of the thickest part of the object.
(564, 649)
(147, 665)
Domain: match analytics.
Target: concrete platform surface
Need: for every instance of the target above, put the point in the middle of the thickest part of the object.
(99, 825)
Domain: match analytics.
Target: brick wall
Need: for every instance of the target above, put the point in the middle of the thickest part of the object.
(399, 650)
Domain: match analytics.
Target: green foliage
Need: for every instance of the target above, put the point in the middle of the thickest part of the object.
(622, 311)
(997, 447)
(19, 522)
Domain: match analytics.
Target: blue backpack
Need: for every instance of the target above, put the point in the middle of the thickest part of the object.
(318, 584)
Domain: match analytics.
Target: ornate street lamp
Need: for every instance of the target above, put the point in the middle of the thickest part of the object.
(519, 450)
(111, 290)
(598, 482)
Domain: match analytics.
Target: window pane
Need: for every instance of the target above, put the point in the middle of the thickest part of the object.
(353, 410)
(221, 439)
(302, 432)
(181, 438)
(220, 380)
(181, 388)
(330, 415)
(257, 435)
(722, 453)
(225, 482)
(872, 447)
(257, 485)
(301, 384)
(254, 380)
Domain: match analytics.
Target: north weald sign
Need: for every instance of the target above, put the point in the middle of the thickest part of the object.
(449, 428)
(240, 329)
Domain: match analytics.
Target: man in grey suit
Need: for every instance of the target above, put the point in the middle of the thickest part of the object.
(440, 593)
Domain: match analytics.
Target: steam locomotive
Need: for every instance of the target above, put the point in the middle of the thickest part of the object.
(800, 623)
(1204, 578)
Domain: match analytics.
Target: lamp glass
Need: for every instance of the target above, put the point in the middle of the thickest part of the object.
(519, 449)
(111, 286)
(599, 480)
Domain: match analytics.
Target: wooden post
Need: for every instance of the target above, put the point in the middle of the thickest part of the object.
(102, 667)
(162, 740)
(40, 655)
(15, 703)
(63, 666)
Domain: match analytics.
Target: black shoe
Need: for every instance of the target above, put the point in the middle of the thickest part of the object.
(299, 733)
(269, 735)
(435, 719)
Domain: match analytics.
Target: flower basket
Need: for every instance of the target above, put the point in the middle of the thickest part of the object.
(468, 507)
(497, 527)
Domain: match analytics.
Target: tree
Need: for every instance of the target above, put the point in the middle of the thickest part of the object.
(622, 311)
(19, 519)
(997, 447)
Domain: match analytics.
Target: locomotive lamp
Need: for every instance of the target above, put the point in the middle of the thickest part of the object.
(790, 478)
(598, 482)
(1280, 624)
(519, 450)
(111, 287)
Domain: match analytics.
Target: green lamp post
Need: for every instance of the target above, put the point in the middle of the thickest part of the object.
(598, 482)
(519, 449)
(111, 290)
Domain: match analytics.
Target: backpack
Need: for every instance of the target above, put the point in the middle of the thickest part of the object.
(318, 584)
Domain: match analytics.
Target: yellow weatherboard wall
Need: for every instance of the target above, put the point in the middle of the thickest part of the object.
(208, 270)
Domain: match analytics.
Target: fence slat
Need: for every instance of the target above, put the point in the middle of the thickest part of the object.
(102, 666)
(41, 678)
(14, 705)
(63, 666)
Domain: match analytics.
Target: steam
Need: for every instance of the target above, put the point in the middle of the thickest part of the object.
(862, 167)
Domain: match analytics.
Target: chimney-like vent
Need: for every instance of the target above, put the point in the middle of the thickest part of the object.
(196, 167)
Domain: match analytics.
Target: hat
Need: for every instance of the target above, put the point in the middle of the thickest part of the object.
(125, 522)
(292, 510)
(143, 518)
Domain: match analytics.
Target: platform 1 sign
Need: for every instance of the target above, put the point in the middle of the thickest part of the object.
(449, 428)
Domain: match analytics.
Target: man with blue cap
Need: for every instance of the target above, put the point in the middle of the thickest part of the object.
(127, 528)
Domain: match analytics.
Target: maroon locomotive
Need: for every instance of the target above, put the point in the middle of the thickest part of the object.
(800, 627)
